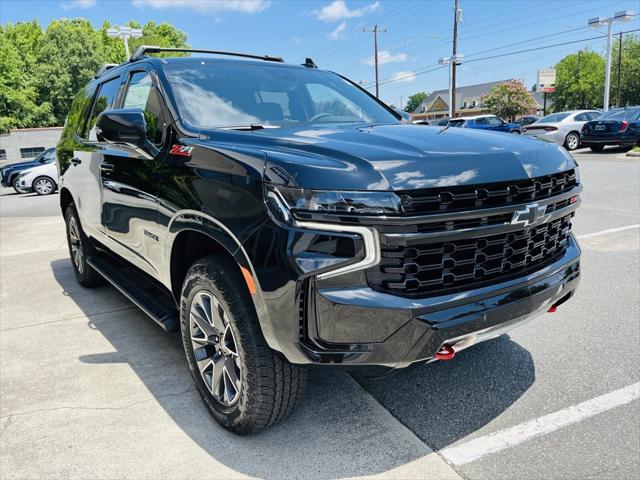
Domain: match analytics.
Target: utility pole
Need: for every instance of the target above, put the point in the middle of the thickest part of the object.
(619, 68)
(375, 55)
(452, 98)
(579, 89)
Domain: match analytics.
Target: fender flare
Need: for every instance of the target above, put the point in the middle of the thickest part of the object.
(185, 220)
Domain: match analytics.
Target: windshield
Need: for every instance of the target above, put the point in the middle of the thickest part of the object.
(622, 114)
(218, 94)
(554, 117)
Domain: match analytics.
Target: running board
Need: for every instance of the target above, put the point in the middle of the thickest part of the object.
(141, 291)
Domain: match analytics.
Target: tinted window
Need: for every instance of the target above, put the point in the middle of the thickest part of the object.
(482, 121)
(581, 117)
(48, 156)
(142, 93)
(234, 93)
(495, 121)
(105, 99)
(593, 115)
(456, 123)
(554, 117)
(619, 114)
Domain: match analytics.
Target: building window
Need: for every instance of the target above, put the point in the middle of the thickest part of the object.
(31, 152)
(3, 154)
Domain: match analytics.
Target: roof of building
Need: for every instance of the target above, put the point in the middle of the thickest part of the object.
(469, 91)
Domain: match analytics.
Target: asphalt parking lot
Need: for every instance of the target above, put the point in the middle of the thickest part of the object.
(90, 388)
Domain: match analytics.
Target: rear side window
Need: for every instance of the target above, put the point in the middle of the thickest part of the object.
(143, 94)
(106, 98)
(482, 121)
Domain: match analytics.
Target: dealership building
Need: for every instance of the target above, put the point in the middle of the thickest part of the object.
(24, 144)
(467, 102)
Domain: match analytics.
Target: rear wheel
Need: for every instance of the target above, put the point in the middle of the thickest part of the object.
(246, 386)
(80, 249)
(43, 186)
(572, 141)
(596, 148)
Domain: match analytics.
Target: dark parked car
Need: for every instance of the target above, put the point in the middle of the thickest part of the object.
(485, 122)
(9, 173)
(281, 216)
(527, 120)
(620, 126)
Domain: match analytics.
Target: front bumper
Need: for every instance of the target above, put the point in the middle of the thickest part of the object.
(374, 328)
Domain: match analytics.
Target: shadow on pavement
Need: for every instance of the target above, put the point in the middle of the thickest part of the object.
(335, 432)
(444, 401)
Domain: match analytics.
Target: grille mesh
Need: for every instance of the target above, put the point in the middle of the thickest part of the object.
(444, 267)
(447, 199)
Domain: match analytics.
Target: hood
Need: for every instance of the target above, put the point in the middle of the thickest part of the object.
(19, 165)
(397, 157)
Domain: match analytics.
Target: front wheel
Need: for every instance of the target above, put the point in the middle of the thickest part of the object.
(596, 148)
(246, 386)
(43, 186)
(516, 131)
(14, 184)
(572, 141)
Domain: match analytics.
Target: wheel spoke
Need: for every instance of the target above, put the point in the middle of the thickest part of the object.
(217, 315)
(218, 385)
(231, 381)
(199, 318)
(229, 342)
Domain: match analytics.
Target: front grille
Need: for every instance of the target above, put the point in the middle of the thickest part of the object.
(450, 266)
(449, 199)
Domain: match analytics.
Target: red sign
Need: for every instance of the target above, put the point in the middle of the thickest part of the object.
(548, 89)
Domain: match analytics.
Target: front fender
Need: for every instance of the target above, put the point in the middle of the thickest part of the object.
(218, 232)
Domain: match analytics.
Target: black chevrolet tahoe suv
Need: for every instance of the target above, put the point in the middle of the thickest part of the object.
(280, 216)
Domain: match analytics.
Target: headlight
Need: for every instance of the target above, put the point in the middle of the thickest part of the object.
(285, 199)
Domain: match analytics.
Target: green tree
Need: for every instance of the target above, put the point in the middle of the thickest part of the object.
(579, 81)
(19, 106)
(508, 100)
(415, 100)
(41, 71)
(629, 74)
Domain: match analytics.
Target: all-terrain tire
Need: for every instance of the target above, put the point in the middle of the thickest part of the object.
(270, 387)
(80, 248)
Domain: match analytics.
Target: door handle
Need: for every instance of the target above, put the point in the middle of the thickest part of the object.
(76, 161)
(107, 167)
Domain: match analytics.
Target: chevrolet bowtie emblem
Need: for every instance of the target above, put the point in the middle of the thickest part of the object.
(532, 214)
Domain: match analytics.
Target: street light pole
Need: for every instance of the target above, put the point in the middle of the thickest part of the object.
(375, 54)
(125, 32)
(598, 22)
(457, 13)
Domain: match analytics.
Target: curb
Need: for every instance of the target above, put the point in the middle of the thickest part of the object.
(633, 154)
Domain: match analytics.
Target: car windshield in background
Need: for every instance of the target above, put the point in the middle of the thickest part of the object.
(229, 94)
(621, 114)
(554, 117)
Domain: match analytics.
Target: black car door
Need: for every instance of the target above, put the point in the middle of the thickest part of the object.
(130, 178)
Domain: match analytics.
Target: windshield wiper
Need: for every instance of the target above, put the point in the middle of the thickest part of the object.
(252, 126)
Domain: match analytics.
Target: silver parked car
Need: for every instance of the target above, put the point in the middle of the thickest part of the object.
(562, 128)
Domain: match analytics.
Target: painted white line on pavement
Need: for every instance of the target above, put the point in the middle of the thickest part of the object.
(610, 230)
(510, 437)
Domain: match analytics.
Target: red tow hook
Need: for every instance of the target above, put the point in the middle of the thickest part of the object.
(552, 309)
(446, 352)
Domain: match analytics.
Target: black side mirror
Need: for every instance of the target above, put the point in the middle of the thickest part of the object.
(126, 125)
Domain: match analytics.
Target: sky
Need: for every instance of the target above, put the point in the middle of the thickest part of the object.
(414, 34)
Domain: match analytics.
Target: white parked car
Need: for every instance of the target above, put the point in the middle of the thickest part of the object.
(562, 128)
(42, 179)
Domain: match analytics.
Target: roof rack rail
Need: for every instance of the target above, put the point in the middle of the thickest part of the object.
(142, 50)
(104, 68)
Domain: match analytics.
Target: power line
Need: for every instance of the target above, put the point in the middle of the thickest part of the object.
(430, 69)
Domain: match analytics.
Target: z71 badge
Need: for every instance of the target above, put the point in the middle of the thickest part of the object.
(182, 150)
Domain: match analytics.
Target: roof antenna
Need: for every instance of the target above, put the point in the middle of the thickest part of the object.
(309, 63)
